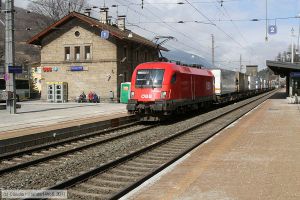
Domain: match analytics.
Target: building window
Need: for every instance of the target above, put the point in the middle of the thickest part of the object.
(87, 50)
(137, 55)
(146, 56)
(67, 53)
(77, 33)
(77, 53)
(125, 51)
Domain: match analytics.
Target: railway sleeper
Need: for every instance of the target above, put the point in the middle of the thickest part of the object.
(137, 169)
(161, 155)
(145, 160)
(119, 178)
(161, 151)
(103, 189)
(140, 164)
(74, 194)
(184, 141)
(121, 172)
(174, 147)
(155, 157)
(109, 183)
(8, 162)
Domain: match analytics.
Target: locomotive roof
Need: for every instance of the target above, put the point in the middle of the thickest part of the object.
(175, 67)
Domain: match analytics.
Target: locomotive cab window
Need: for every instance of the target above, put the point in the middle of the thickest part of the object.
(173, 79)
(149, 78)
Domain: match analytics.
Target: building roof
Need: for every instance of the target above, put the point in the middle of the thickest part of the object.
(116, 32)
(283, 68)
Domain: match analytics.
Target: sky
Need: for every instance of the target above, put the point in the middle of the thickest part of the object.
(231, 23)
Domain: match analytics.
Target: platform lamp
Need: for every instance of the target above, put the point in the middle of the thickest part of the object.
(292, 50)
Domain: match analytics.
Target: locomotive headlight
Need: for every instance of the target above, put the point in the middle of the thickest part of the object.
(131, 94)
(163, 94)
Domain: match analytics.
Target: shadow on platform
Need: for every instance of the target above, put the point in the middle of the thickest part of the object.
(49, 109)
(279, 95)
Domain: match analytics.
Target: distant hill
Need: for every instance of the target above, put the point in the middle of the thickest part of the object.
(24, 53)
(186, 58)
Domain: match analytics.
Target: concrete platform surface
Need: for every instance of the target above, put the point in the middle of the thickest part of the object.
(38, 115)
(255, 158)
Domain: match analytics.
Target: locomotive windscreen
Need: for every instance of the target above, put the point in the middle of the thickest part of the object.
(149, 78)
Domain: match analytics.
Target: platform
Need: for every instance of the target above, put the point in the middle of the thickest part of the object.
(256, 158)
(38, 120)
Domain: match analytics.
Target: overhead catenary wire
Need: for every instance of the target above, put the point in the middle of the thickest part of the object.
(226, 13)
(170, 28)
(233, 23)
(169, 25)
(221, 20)
(218, 27)
(178, 3)
(155, 34)
(182, 43)
(173, 28)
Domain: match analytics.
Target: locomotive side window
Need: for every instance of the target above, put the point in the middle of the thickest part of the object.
(149, 78)
(173, 80)
(2, 84)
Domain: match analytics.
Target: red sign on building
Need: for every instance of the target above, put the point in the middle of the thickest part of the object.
(47, 69)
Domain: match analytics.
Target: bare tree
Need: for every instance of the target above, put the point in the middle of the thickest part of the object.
(56, 9)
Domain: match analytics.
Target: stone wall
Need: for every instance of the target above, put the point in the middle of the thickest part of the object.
(99, 72)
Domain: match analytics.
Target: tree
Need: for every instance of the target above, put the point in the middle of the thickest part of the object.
(56, 9)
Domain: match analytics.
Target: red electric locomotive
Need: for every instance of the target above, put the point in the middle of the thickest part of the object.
(159, 89)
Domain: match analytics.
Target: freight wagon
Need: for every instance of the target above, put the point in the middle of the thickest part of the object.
(225, 85)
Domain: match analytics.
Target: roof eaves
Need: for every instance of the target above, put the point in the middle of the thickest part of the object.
(35, 38)
(94, 23)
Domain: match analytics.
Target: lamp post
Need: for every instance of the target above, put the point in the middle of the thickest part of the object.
(213, 49)
(266, 38)
(10, 56)
(298, 16)
(292, 53)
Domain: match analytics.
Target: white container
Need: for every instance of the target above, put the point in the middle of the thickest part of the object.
(225, 81)
(251, 82)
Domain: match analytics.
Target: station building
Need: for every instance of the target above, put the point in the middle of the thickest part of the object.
(292, 73)
(86, 54)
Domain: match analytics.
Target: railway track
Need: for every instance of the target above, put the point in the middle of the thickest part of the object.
(15, 161)
(114, 179)
(90, 132)
(78, 166)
